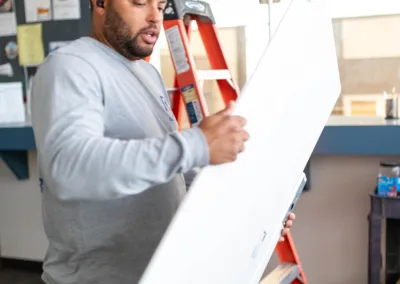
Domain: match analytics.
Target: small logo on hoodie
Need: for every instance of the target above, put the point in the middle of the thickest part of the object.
(167, 108)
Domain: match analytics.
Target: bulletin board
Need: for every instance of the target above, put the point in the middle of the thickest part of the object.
(58, 20)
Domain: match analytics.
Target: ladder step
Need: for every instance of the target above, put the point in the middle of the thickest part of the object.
(205, 75)
(284, 273)
(171, 90)
(213, 75)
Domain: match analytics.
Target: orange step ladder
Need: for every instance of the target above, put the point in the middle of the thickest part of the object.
(187, 94)
(178, 17)
(289, 271)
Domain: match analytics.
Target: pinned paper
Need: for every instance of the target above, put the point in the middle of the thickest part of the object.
(66, 9)
(12, 109)
(8, 22)
(6, 70)
(37, 10)
(30, 44)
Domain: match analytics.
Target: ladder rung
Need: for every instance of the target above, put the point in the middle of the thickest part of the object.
(171, 90)
(213, 75)
(204, 75)
(284, 273)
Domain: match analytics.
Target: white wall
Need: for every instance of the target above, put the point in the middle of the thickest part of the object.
(257, 20)
(363, 8)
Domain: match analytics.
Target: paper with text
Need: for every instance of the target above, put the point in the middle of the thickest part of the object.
(37, 10)
(6, 70)
(8, 24)
(12, 109)
(30, 44)
(66, 9)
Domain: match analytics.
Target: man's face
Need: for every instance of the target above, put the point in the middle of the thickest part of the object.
(132, 27)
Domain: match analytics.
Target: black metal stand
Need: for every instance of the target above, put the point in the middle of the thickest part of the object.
(384, 208)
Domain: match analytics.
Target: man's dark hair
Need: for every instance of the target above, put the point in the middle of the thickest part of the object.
(91, 5)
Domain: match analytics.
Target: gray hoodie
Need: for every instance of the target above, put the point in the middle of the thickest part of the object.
(111, 162)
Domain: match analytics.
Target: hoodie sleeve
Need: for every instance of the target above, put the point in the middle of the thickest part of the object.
(77, 161)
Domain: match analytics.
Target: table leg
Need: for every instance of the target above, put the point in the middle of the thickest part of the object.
(374, 249)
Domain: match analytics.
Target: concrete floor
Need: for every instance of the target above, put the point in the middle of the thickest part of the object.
(12, 276)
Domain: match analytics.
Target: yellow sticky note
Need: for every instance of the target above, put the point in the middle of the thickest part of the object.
(30, 44)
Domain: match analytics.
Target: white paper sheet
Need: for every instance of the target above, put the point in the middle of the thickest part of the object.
(66, 9)
(6, 70)
(8, 24)
(37, 10)
(12, 108)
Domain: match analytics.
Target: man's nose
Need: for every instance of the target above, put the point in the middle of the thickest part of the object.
(154, 14)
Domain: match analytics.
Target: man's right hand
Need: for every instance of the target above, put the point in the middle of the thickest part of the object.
(225, 135)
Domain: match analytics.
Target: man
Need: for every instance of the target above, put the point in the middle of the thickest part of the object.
(110, 157)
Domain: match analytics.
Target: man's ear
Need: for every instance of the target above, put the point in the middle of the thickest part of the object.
(98, 6)
(100, 3)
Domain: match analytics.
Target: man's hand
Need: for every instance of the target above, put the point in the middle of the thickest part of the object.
(225, 135)
(287, 225)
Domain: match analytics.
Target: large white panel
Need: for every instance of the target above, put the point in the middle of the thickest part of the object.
(228, 226)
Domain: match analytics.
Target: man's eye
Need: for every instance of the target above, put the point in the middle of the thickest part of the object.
(139, 4)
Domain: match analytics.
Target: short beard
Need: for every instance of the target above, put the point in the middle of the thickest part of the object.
(118, 35)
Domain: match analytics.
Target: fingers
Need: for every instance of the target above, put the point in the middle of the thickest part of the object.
(238, 140)
(289, 221)
(232, 129)
(241, 148)
(228, 110)
(234, 123)
(245, 135)
(238, 121)
(288, 224)
(285, 231)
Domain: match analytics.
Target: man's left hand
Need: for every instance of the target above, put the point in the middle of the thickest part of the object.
(287, 225)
